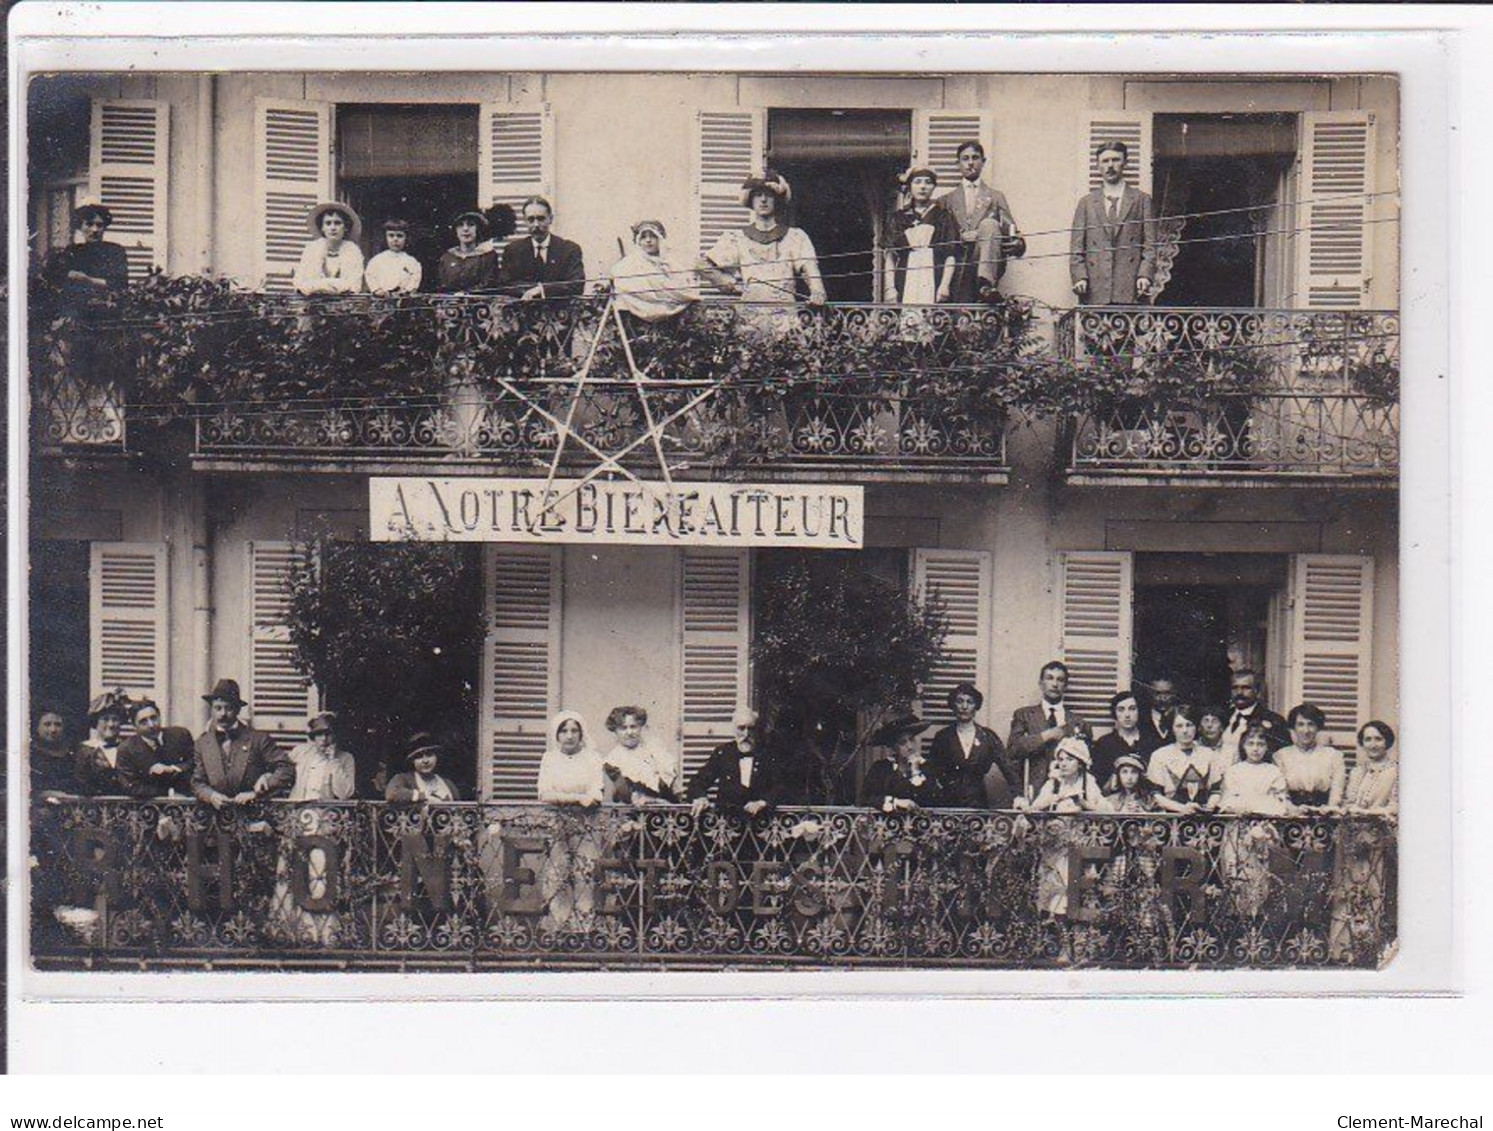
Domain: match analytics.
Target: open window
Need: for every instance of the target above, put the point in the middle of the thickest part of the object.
(1228, 174)
(415, 161)
(843, 166)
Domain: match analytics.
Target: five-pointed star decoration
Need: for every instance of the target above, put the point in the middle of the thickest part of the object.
(608, 462)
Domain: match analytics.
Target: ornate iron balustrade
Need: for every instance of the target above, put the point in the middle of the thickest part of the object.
(1228, 393)
(517, 428)
(364, 378)
(837, 387)
(77, 404)
(468, 886)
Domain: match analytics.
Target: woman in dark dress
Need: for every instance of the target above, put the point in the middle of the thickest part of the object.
(900, 782)
(96, 770)
(969, 760)
(1126, 738)
(924, 245)
(90, 267)
(52, 757)
(470, 266)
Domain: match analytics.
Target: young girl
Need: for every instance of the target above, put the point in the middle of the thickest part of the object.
(1131, 792)
(1069, 788)
(1186, 772)
(1255, 785)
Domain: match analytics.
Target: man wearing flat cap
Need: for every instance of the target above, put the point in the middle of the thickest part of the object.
(969, 759)
(235, 764)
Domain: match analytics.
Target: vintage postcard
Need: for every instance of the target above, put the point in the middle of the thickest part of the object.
(529, 520)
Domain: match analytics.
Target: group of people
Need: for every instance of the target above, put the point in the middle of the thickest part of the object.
(1160, 755)
(941, 248)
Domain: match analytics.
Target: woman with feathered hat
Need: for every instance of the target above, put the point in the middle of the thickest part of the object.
(764, 260)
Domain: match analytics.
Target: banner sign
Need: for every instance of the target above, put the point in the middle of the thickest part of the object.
(623, 512)
(466, 886)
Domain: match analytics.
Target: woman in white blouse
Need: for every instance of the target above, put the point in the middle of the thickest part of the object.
(1315, 772)
(332, 263)
(571, 771)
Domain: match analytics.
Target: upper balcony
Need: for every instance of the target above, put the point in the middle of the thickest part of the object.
(443, 383)
(440, 384)
(1202, 395)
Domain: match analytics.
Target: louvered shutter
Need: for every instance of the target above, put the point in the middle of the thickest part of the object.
(1131, 127)
(729, 146)
(715, 634)
(128, 631)
(1095, 590)
(520, 667)
(961, 580)
(128, 170)
(292, 173)
(515, 154)
(1332, 598)
(938, 134)
(1337, 176)
(280, 696)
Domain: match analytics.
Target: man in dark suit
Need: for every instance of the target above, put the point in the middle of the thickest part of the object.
(1037, 730)
(156, 759)
(235, 764)
(740, 772)
(968, 760)
(988, 235)
(1156, 723)
(1112, 246)
(540, 264)
(1244, 693)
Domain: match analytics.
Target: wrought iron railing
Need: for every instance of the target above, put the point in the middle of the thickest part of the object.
(471, 886)
(1237, 392)
(845, 393)
(364, 378)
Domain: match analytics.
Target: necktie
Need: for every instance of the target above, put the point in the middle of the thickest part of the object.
(1113, 209)
(1052, 717)
(541, 253)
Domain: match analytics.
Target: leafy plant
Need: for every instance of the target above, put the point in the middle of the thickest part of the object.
(391, 632)
(831, 643)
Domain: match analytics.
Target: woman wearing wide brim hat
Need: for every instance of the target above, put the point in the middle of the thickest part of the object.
(332, 263)
(472, 265)
(764, 260)
(420, 782)
(900, 782)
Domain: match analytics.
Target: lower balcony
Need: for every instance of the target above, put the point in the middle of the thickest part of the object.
(1235, 395)
(368, 886)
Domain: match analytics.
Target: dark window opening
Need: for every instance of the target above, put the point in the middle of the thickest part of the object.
(60, 640)
(418, 162)
(843, 166)
(1199, 617)
(1224, 172)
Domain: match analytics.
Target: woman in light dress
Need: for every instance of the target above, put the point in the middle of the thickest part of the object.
(1315, 772)
(645, 773)
(332, 263)
(1366, 869)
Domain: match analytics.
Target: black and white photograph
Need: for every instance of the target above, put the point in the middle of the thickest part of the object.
(662, 521)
